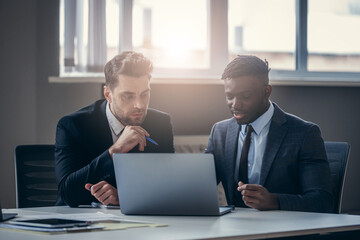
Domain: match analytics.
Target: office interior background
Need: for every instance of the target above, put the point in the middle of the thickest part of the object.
(45, 74)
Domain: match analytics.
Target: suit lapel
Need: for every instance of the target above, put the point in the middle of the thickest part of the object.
(105, 133)
(276, 136)
(231, 148)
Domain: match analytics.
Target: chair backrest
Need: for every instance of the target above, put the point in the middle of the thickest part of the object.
(35, 176)
(338, 154)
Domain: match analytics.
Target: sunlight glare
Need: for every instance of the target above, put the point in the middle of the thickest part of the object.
(176, 48)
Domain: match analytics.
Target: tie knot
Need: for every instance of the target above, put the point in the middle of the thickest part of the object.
(249, 129)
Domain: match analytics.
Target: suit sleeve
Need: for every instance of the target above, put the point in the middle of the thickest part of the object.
(73, 171)
(210, 149)
(314, 174)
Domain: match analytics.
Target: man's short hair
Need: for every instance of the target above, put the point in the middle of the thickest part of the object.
(247, 65)
(127, 63)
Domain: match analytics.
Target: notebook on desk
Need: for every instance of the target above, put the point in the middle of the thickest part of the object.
(167, 184)
(6, 216)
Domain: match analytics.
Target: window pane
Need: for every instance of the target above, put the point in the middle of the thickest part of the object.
(172, 33)
(334, 35)
(112, 28)
(75, 37)
(263, 28)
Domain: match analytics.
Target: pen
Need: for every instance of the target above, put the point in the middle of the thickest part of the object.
(99, 205)
(150, 140)
(96, 205)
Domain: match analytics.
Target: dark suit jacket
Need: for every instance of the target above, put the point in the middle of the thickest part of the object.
(294, 166)
(81, 150)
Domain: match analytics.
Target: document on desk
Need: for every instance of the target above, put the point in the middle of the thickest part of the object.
(110, 221)
(51, 230)
(101, 221)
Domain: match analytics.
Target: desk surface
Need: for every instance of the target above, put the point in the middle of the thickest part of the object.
(240, 224)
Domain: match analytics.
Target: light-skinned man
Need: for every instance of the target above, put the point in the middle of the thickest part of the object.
(266, 158)
(120, 123)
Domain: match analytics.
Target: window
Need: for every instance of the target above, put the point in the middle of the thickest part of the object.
(263, 28)
(172, 33)
(334, 35)
(196, 39)
(89, 33)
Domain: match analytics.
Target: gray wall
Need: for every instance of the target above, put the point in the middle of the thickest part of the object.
(31, 106)
(17, 87)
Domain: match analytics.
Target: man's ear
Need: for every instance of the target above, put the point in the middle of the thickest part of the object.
(108, 94)
(268, 90)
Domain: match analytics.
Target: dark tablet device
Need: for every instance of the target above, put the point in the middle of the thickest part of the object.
(51, 223)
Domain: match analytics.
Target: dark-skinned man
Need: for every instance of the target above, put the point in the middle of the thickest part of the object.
(266, 158)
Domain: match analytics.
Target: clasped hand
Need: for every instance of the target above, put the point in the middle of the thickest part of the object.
(258, 197)
(130, 137)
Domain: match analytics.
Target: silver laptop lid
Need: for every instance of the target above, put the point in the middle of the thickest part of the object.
(166, 184)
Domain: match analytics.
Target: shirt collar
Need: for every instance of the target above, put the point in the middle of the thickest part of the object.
(259, 124)
(115, 125)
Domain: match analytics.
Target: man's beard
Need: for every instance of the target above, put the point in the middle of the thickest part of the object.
(127, 121)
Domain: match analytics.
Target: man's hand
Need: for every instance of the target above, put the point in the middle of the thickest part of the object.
(130, 137)
(104, 193)
(256, 196)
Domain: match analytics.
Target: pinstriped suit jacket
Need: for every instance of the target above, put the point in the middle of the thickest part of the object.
(294, 166)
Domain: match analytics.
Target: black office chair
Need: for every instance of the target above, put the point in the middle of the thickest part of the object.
(35, 176)
(338, 154)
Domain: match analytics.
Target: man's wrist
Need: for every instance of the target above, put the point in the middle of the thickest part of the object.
(114, 149)
(111, 152)
(274, 202)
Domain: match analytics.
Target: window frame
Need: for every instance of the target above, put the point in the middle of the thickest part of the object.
(301, 72)
(219, 53)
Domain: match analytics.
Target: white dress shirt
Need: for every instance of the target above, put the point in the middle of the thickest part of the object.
(116, 126)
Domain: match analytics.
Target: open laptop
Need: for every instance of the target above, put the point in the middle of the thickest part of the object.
(167, 184)
(6, 216)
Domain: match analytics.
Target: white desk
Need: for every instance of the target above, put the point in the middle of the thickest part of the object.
(240, 224)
